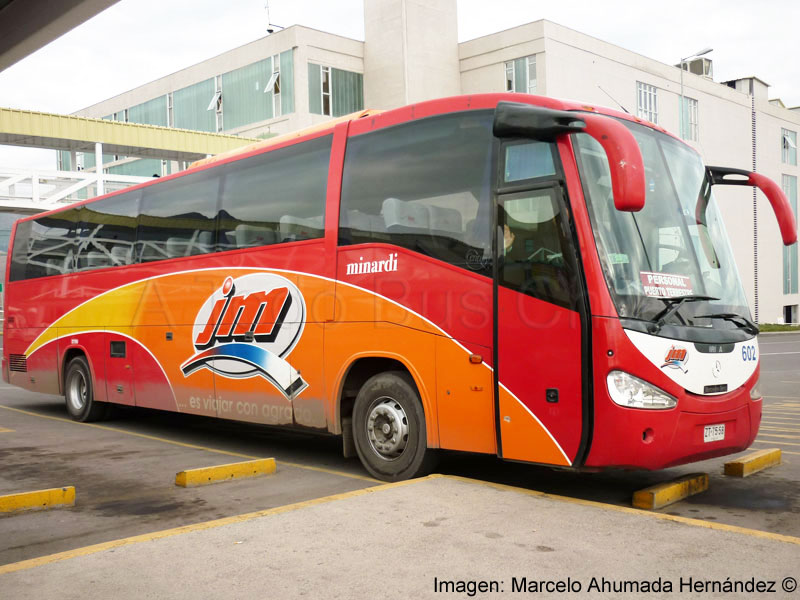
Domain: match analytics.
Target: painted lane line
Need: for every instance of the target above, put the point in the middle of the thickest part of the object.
(626, 509)
(780, 418)
(782, 429)
(87, 550)
(156, 535)
(776, 442)
(778, 435)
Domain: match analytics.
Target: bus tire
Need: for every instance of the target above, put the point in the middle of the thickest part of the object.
(389, 428)
(79, 393)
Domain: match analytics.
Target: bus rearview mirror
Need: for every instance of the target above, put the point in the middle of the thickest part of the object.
(777, 199)
(626, 166)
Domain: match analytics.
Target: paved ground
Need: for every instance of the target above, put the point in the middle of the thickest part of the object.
(769, 500)
(124, 474)
(127, 488)
(437, 537)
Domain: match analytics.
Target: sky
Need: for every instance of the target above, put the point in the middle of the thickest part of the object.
(137, 41)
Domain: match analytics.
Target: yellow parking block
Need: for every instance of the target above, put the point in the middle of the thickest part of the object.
(204, 476)
(752, 463)
(5, 430)
(39, 500)
(663, 494)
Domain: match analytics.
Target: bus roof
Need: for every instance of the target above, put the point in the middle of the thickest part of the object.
(477, 100)
(386, 118)
(273, 141)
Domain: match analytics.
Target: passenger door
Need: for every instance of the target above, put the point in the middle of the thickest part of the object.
(538, 311)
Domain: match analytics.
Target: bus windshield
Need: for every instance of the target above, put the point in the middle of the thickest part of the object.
(675, 247)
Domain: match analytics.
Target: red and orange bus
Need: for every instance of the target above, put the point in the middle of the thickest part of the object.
(505, 274)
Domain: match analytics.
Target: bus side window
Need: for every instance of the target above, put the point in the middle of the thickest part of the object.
(178, 217)
(19, 252)
(538, 257)
(51, 245)
(274, 197)
(108, 232)
(425, 186)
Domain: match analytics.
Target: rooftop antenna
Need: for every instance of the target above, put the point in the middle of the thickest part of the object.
(615, 100)
(270, 25)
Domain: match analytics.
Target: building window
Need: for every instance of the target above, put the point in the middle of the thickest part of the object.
(189, 107)
(789, 185)
(689, 120)
(326, 90)
(274, 86)
(170, 111)
(531, 79)
(521, 75)
(216, 102)
(334, 92)
(510, 76)
(647, 102)
(788, 147)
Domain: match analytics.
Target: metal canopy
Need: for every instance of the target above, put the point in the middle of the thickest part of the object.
(27, 25)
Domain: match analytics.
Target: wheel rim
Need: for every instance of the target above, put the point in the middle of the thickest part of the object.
(387, 428)
(77, 391)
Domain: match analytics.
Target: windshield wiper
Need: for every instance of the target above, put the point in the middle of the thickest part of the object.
(673, 304)
(738, 320)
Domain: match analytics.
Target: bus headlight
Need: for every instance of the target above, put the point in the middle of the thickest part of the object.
(632, 392)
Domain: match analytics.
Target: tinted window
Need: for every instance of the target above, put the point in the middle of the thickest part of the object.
(19, 253)
(108, 232)
(275, 197)
(178, 217)
(528, 160)
(45, 246)
(538, 257)
(425, 186)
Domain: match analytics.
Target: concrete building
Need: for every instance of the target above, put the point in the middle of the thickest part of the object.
(299, 76)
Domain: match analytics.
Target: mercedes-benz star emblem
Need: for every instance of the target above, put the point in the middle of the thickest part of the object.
(716, 369)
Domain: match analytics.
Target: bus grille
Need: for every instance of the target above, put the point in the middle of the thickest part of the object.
(18, 362)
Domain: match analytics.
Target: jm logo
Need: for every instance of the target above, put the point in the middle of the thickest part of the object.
(256, 317)
(247, 327)
(676, 358)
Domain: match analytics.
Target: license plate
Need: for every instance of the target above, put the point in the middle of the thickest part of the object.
(714, 433)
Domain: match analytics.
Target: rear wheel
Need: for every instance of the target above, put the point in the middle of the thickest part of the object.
(389, 428)
(79, 393)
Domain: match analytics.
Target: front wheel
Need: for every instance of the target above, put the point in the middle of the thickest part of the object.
(79, 393)
(389, 428)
